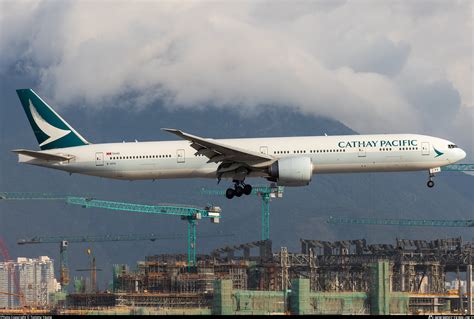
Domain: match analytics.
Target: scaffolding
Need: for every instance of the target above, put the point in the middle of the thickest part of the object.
(157, 275)
(182, 300)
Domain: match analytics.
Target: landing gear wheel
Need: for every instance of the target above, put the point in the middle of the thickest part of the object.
(247, 189)
(430, 184)
(239, 191)
(229, 193)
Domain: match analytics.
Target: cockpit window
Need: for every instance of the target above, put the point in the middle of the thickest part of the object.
(452, 146)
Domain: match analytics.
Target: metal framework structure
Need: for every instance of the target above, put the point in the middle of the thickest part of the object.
(348, 276)
(343, 265)
(266, 193)
(402, 222)
(264, 248)
(189, 213)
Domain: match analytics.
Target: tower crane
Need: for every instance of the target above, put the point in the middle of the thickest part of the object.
(401, 222)
(190, 214)
(266, 193)
(30, 196)
(93, 269)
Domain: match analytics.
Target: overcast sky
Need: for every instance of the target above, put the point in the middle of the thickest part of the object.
(377, 66)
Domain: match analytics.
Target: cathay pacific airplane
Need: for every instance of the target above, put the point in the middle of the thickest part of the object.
(288, 161)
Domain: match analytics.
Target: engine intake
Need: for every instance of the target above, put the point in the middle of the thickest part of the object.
(294, 171)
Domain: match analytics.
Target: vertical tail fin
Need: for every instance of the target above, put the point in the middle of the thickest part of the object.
(50, 129)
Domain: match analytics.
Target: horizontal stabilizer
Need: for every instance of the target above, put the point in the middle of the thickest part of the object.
(44, 156)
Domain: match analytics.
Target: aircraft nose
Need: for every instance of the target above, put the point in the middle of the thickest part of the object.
(462, 154)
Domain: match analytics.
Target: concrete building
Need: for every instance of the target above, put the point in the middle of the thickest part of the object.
(27, 280)
(7, 285)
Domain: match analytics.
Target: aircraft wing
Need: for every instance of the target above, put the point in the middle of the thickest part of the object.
(220, 152)
(44, 156)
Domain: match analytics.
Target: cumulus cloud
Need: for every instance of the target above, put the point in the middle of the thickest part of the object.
(378, 66)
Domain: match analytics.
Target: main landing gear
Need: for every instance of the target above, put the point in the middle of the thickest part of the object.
(240, 188)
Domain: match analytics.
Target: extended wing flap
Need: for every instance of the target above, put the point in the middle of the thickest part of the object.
(44, 156)
(220, 158)
(207, 152)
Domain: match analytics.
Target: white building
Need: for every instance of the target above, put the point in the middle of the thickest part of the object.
(33, 278)
(7, 285)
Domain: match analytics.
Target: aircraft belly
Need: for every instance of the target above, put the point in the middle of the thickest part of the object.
(143, 170)
(157, 174)
(373, 167)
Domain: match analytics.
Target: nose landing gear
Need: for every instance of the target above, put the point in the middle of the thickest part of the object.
(431, 172)
(240, 188)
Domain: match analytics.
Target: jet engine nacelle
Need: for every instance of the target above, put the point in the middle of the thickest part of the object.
(294, 171)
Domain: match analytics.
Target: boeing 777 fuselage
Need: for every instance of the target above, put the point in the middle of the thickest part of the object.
(288, 161)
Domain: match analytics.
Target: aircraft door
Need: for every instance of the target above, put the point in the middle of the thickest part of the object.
(425, 148)
(361, 152)
(264, 150)
(99, 159)
(180, 156)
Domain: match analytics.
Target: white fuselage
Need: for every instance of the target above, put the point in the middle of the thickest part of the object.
(329, 154)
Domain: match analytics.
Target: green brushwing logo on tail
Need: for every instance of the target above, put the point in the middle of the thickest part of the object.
(50, 129)
(438, 153)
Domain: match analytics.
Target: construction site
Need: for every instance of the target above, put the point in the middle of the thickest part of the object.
(405, 276)
(342, 277)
